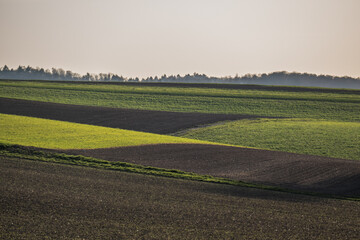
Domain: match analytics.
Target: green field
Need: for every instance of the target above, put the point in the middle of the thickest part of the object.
(313, 137)
(78, 197)
(43, 133)
(331, 127)
(340, 106)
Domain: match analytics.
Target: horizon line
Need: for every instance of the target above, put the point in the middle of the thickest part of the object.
(48, 70)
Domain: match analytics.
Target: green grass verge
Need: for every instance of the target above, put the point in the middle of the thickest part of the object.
(343, 106)
(44, 133)
(15, 151)
(306, 136)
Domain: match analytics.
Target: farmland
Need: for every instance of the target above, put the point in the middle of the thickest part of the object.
(306, 136)
(131, 182)
(339, 105)
(45, 133)
(271, 168)
(43, 200)
(132, 119)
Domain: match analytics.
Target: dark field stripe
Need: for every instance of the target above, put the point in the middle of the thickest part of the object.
(288, 170)
(139, 120)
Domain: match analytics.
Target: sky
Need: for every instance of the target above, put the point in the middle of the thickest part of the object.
(140, 38)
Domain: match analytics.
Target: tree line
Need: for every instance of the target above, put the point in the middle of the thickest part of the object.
(274, 78)
(31, 73)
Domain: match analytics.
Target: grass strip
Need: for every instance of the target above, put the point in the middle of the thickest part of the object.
(22, 152)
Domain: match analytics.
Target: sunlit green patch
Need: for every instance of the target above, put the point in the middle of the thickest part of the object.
(29, 131)
(314, 137)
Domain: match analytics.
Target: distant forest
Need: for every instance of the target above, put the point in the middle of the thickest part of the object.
(275, 78)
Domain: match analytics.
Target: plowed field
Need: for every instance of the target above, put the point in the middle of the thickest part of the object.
(53, 201)
(295, 171)
(139, 120)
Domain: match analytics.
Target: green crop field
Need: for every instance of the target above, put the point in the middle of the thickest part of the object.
(47, 190)
(331, 127)
(340, 106)
(314, 137)
(43, 133)
(336, 137)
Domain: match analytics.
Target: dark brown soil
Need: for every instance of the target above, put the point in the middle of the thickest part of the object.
(295, 171)
(139, 120)
(53, 201)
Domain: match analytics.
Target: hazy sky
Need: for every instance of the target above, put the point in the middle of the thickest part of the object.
(155, 37)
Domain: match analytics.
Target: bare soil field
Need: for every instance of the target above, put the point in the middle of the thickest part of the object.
(139, 120)
(44, 201)
(289, 170)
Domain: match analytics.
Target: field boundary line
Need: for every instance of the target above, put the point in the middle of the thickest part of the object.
(21, 152)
